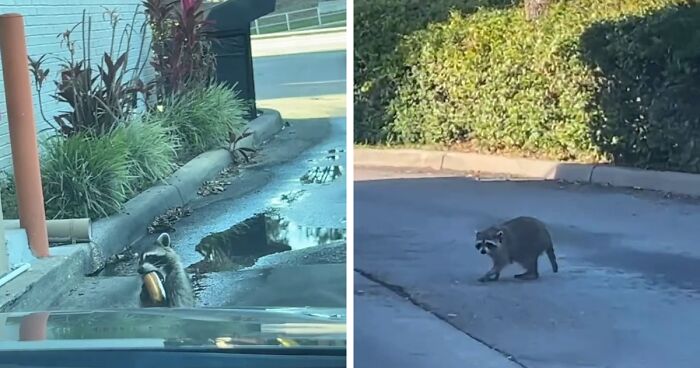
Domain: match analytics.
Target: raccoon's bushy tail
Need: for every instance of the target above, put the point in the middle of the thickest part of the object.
(552, 259)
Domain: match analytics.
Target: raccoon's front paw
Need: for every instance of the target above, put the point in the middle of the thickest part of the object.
(488, 277)
(527, 276)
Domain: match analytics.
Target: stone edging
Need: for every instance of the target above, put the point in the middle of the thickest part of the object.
(665, 181)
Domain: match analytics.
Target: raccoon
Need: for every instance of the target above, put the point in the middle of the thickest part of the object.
(521, 240)
(208, 251)
(162, 259)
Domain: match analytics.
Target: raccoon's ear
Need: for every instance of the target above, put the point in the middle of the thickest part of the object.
(499, 235)
(164, 239)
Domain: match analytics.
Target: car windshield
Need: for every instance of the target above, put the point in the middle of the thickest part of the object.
(174, 174)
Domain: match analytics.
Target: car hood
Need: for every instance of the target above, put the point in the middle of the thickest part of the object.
(175, 328)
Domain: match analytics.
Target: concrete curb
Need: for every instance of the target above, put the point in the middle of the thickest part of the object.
(299, 33)
(114, 233)
(665, 181)
(39, 287)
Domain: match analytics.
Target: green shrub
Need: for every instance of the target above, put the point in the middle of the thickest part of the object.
(379, 27)
(84, 176)
(202, 118)
(593, 80)
(650, 68)
(150, 149)
(9, 197)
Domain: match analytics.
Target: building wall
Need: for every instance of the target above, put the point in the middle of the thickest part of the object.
(44, 20)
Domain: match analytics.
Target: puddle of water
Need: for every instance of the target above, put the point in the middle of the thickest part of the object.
(287, 198)
(261, 235)
(327, 158)
(241, 245)
(322, 174)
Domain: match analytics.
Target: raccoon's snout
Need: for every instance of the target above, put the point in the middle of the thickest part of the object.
(483, 251)
(146, 268)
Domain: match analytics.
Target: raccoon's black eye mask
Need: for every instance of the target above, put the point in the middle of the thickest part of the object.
(485, 244)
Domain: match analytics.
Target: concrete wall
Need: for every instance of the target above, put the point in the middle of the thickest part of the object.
(44, 20)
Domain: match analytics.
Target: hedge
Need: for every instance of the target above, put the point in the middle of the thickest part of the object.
(594, 80)
(379, 27)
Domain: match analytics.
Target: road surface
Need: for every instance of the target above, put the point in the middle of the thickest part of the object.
(300, 75)
(626, 294)
(303, 76)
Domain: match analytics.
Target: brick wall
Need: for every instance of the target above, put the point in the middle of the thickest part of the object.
(44, 20)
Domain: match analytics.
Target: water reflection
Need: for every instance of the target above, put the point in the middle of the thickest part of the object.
(263, 234)
(180, 330)
(322, 174)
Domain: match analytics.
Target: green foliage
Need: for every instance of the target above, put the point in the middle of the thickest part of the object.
(99, 95)
(591, 80)
(650, 67)
(203, 118)
(182, 56)
(9, 197)
(238, 152)
(84, 176)
(151, 151)
(379, 28)
(89, 175)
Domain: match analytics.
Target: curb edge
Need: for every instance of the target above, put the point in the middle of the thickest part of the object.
(622, 177)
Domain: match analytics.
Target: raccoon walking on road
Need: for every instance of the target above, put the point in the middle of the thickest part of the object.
(162, 259)
(521, 240)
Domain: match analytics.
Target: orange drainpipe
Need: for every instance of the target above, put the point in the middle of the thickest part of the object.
(23, 139)
(34, 326)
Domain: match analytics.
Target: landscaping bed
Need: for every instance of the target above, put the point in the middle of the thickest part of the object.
(122, 133)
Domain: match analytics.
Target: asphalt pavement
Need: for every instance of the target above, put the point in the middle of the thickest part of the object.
(300, 75)
(626, 294)
(390, 331)
(303, 85)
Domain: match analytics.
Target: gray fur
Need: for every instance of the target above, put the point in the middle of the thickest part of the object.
(521, 240)
(163, 259)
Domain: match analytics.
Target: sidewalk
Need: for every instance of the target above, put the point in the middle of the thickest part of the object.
(332, 39)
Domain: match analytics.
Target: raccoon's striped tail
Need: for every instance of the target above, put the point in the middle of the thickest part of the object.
(552, 259)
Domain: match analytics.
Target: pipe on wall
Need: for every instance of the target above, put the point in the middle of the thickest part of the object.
(62, 231)
(23, 139)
